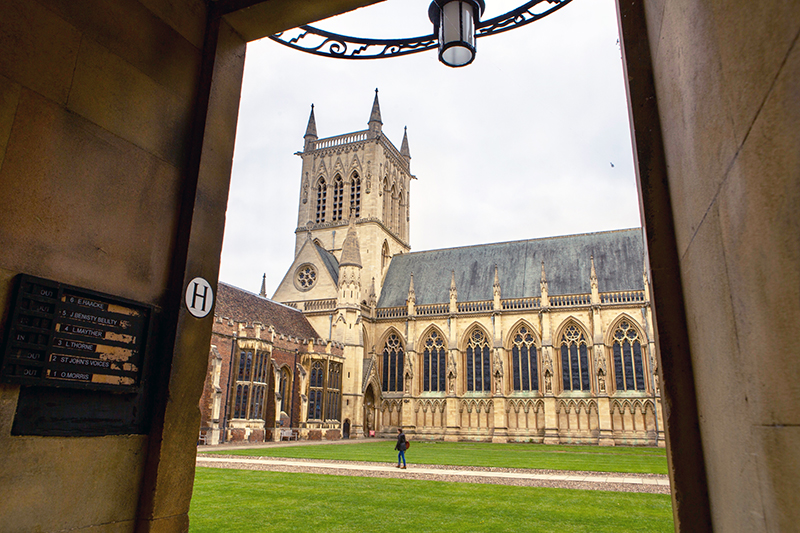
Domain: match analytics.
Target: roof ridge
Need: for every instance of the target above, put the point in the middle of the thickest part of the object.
(537, 239)
(270, 300)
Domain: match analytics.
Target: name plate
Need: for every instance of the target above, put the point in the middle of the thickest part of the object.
(65, 336)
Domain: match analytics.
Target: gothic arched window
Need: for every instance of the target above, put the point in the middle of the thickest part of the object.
(393, 210)
(338, 198)
(433, 363)
(400, 211)
(315, 391)
(525, 365)
(355, 195)
(628, 361)
(478, 370)
(574, 359)
(322, 194)
(333, 392)
(385, 256)
(392, 371)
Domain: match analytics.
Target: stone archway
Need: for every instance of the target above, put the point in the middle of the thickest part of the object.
(370, 425)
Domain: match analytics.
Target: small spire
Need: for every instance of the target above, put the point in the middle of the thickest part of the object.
(311, 130)
(412, 297)
(263, 292)
(404, 151)
(373, 298)
(496, 289)
(545, 301)
(351, 251)
(375, 123)
(593, 282)
(453, 294)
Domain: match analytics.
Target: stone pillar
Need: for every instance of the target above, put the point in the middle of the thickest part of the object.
(407, 414)
(606, 437)
(550, 421)
(453, 419)
(500, 420)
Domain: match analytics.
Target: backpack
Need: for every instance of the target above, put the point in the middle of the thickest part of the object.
(408, 443)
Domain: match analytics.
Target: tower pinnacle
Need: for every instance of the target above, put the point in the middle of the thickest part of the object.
(311, 130)
(404, 151)
(375, 124)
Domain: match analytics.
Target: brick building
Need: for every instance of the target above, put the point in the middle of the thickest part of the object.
(259, 367)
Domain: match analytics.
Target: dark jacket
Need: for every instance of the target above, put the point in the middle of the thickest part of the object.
(401, 442)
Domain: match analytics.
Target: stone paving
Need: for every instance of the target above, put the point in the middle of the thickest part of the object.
(619, 482)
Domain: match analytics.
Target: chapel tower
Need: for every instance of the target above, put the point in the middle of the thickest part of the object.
(362, 173)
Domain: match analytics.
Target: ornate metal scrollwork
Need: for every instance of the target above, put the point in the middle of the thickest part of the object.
(327, 44)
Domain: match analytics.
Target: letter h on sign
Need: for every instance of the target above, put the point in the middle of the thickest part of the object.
(199, 297)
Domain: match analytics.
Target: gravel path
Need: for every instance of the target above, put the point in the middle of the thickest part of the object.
(648, 483)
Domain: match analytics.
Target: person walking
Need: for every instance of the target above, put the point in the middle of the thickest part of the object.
(401, 448)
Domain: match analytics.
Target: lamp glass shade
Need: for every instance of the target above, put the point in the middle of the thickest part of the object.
(457, 32)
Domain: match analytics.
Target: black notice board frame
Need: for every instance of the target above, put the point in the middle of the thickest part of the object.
(63, 336)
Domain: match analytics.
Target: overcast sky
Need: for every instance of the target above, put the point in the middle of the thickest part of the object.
(520, 144)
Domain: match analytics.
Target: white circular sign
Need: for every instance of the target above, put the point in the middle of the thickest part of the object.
(199, 297)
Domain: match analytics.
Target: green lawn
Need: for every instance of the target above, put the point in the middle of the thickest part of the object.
(585, 458)
(252, 501)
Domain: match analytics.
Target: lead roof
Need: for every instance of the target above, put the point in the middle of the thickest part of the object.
(618, 258)
(244, 306)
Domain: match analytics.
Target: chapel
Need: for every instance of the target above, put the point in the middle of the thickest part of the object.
(544, 340)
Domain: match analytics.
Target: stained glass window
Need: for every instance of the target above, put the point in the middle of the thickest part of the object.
(628, 360)
(393, 364)
(325, 395)
(525, 365)
(478, 364)
(306, 277)
(333, 396)
(315, 384)
(434, 363)
(574, 359)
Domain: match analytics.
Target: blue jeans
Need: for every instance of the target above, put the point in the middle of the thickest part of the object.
(401, 455)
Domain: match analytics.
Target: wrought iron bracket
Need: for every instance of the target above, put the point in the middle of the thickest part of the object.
(327, 44)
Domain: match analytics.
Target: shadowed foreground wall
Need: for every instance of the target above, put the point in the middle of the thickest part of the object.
(719, 178)
(117, 125)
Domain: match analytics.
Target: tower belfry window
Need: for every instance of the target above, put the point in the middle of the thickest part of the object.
(322, 194)
(393, 210)
(355, 195)
(338, 198)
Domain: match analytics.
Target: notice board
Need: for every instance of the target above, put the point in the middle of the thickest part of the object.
(60, 335)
